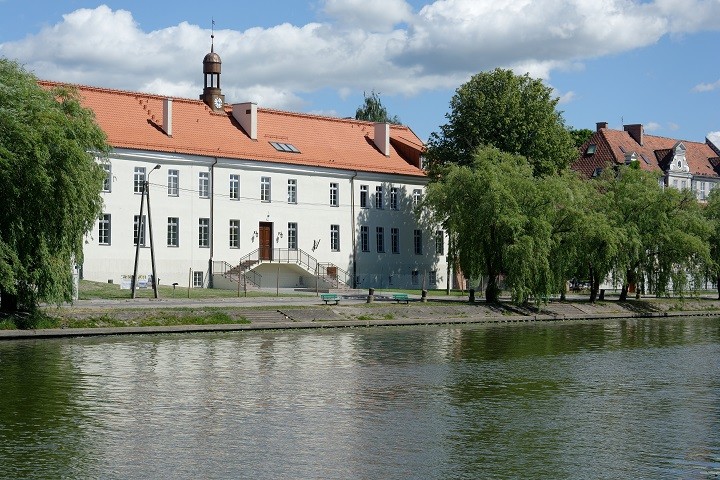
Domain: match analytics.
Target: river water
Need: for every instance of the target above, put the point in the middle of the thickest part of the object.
(615, 399)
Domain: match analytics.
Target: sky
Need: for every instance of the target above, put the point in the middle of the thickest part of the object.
(653, 62)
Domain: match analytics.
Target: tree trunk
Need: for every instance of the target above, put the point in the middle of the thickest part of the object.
(623, 293)
(717, 282)
(492, 292)
(8, 302)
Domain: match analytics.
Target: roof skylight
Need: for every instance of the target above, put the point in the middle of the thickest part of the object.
(284, 147)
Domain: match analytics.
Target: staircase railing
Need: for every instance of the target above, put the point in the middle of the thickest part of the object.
(328, 272)
(248, 276)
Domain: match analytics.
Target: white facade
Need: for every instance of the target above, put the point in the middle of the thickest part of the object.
(362, 222)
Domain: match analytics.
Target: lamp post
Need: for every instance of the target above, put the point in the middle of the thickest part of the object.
(145, 192)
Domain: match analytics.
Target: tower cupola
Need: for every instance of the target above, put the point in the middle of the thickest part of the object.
(212, 65)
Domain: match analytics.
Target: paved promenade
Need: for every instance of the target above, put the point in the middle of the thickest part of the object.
(309, 311)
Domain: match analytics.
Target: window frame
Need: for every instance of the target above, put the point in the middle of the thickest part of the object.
(173, 232)
(379, 201)
(393, 198)
(334, 194)
(105, 229)
(364, 196)
(234, 186)
(107, 181)
(292, 236)
(364, 238)
(334, 238)
(139, 176)
(417, 242)
(380, 239)
(173, 183)
(204, 184)
(395, 240)
(203, 232)
(234, 233)
(265, 189)
(136, 230)
(292, 191)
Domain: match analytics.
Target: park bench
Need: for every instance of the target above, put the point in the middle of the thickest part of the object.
(400, 297)
(330, 297)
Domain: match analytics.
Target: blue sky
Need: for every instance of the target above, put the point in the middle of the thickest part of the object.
(621, 61)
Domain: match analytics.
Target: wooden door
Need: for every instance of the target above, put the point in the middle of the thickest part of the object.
(266, 250)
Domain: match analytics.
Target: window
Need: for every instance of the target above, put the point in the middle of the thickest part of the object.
(173, 230)
(393, 198)
(204, 184)
(683, 185)
(416, 197)
(334, 188)
(292, 234)
(138, 179)
(335, 238)
(234, 187)
(363, 196)
(364, 239)
(292, 190)
(104, 229)
(265, 189)
(380, 239)
(234, 234)
(417, 242)
(284, 147)
(440, 242)
(139, 228)
(379, 197)
(701, 190)
(107, 181)
(415, 277)
(433, 277)
(204, 232)
(395, 240)
(198, 279)
(173, 183)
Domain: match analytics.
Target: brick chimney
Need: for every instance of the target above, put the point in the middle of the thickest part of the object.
(635, 131)
(600, 125)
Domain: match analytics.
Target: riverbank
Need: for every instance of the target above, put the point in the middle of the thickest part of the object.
(175, 315)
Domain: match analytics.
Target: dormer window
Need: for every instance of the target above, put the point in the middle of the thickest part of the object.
(591, 149)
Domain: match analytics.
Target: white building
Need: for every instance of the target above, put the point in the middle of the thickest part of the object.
(267, 197)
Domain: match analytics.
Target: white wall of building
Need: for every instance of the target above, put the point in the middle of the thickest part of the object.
(312, 213)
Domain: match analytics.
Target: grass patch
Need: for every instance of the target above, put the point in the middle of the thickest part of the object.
(109, 291)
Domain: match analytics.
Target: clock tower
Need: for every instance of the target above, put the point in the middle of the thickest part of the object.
(212, 95)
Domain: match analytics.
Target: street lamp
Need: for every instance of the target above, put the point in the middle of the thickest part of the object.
(145, 192)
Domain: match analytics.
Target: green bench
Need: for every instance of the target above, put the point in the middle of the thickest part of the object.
(330, 297)
(400, 297)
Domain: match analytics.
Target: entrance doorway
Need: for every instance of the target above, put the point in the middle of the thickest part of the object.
(266, 249)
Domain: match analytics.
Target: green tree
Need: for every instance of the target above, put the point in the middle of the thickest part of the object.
(501, 220)
(665, 237)
(50, 186)
(712, 214)
(372, 110)
(516, 114)
(580, 136)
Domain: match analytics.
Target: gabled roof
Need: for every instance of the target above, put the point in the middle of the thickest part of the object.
(134, 120)
(654, 154)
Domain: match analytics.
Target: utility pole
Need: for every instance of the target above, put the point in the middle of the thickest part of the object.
(141, 228)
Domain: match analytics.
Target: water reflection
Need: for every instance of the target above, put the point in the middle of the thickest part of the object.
(626, 399)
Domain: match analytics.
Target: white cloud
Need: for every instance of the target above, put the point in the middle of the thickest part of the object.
(361, 45)
(652, 127)
(370, 15)
(706, 87)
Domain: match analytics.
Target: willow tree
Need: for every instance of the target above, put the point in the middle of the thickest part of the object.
(665, 237)
(502, 223)
(50, 184)
(514, 113)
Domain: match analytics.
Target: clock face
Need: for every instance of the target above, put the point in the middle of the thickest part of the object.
(218, 102)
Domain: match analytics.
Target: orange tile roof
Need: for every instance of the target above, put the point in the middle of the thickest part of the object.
(134, 120)
(612, 145)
